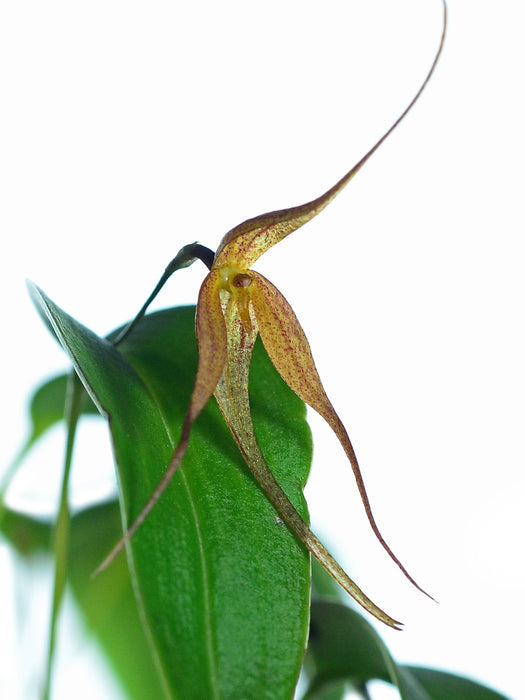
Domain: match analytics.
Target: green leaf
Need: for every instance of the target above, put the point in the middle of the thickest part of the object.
(26, 534)
(47, 406)
(45, 410)
(344, 646)
(107, 604)
(224, 587)
(333, 690)
(75, 396)
(447, 686)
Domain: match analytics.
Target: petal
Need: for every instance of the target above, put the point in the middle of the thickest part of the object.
(212, 343)
(233, 400)
(289, 351)
(211, 339)
(249, 240)
(244, 244)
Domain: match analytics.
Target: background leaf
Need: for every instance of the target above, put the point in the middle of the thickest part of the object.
(223, 585)
(344, 646)
(447, 686)
(107, 604)
(45, 410)
(47, 407)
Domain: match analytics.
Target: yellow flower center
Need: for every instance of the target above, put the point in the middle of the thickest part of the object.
(234, 279)
(236, 283)
(241, 280)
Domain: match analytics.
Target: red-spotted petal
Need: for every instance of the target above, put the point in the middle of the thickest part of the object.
(233, 400)
(289, 351)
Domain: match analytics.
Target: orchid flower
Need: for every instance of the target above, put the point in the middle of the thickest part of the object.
(235, 304)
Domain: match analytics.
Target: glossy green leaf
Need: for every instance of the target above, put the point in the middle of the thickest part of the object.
(344, 646)
(224, 587)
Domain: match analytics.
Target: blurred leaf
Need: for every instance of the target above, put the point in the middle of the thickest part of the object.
(344, 646)
(26, 534)
(223, 585)
(45, 410)
(447, 686)
(106, 603)
(75, 396)
(332, 690)
(47, 406)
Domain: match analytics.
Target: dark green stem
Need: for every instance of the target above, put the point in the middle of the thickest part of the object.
(184, 258)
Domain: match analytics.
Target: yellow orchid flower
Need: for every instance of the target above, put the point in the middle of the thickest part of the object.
(235, 304)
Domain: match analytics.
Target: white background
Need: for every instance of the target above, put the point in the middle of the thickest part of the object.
(129, 129)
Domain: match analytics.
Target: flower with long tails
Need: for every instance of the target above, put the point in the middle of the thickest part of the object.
(235, 304)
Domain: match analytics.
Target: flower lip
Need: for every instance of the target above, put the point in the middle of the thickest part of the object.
(233, 278)
(242, 280)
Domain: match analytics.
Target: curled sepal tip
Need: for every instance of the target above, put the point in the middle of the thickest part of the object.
(289, 350)
(245, 243)
(233, 399)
